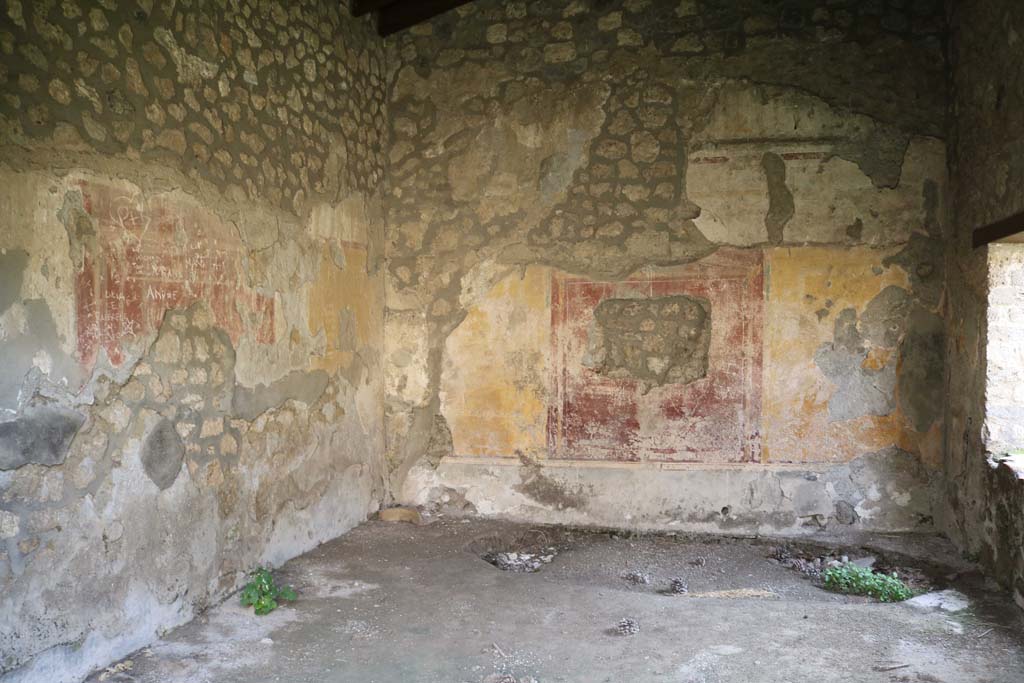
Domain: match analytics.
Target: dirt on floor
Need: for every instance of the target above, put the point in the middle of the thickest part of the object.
(476, 601)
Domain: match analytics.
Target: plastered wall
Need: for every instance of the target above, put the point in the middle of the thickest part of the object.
(985, 511)
(674, 265)
(669, 264)
(191, 310)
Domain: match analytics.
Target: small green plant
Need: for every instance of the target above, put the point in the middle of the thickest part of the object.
(262, 593)
(855, 580)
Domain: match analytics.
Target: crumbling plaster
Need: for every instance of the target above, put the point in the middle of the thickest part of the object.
(508, 147)
(610, 144)
(191, 310)
(280, 440)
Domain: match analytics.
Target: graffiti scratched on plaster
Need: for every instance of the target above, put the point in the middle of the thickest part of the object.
(140, 256)
(713, 418)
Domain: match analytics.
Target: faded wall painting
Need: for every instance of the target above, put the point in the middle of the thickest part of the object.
(665, 366)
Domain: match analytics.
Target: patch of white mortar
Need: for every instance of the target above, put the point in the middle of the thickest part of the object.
(948, 600)
(9, 524)
(43, 361)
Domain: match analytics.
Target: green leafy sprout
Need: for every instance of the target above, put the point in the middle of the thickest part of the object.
(855, 580)
(262, 594)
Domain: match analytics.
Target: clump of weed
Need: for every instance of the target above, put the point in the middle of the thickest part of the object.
(855, 580)
(262, 593)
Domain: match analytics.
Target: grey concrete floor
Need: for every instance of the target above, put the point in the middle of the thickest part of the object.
(395, 602)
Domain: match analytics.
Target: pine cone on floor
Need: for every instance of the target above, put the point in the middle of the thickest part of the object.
(628, 627)
(678, 586)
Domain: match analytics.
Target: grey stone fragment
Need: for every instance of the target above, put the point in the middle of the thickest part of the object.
(42, 436)
(846, 513)
(162, 454)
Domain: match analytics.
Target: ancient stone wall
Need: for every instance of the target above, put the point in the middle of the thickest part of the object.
(1004, 352)
(985, 510)
(562, 173)
(191, 309)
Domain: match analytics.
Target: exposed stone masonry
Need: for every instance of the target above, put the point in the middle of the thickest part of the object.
(190, 308)
(564, 134)
(734, 210)
(280, 101)
(654, 340)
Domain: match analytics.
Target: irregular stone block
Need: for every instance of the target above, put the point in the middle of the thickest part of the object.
(162, 454)
(40, 436)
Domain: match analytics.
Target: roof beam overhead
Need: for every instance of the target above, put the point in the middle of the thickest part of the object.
(1007, 227)
(402, 14)
(361, 7)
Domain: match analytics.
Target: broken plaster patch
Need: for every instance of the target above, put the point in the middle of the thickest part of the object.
(300, 386)
(859, 390)
(657, 341)
(780, 199)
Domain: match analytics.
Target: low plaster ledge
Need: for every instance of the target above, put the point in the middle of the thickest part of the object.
(511, 461)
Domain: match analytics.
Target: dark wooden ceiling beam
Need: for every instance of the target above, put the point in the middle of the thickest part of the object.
(999, 230)
(361, 7)
(405, 13)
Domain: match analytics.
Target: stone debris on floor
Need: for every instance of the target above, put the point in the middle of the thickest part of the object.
(627, 627)
(678, 586)
(520, 562)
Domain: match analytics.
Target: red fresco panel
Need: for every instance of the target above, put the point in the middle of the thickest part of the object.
(712, 419)
(150, 255)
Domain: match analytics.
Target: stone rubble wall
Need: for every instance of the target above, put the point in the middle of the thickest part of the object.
(782, 165)
(191, 309)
